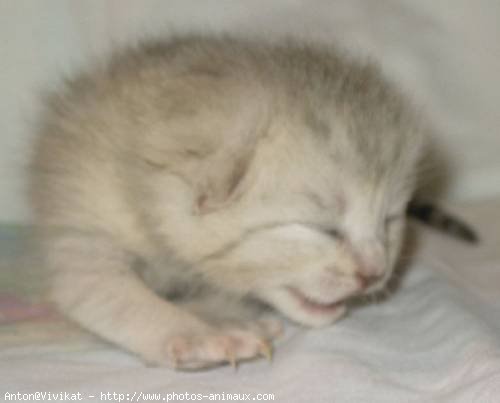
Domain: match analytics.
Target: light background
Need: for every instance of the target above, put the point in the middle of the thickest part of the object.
(445, 53)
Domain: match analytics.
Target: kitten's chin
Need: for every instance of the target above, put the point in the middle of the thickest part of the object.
(303, 310)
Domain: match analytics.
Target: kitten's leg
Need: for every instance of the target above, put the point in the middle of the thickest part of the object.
(92, 283)
(233, 316)
(227, 310)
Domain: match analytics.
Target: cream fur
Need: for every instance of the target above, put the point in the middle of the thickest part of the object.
(185, 180)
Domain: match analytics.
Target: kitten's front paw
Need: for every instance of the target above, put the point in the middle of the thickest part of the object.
(225, 346)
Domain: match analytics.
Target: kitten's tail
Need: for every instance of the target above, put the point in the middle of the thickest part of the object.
(433, 216)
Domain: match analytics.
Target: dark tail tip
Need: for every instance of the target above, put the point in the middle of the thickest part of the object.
(440, 220)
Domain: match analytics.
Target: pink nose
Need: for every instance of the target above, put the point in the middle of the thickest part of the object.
(370, 260)
(370, 270)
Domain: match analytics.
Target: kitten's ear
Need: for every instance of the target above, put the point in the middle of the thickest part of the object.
(218, 174)
(223, 176)
(212, 139)
(228, 144)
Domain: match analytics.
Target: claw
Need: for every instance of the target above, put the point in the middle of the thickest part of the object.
(173, 356)
(175, 362)
(266, 350)
(231, 359)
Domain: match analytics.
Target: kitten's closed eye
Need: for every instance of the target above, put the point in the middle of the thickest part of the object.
(334, 233)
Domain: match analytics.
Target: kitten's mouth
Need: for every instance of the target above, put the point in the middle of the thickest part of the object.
(314, 306)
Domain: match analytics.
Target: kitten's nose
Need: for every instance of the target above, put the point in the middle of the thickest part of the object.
(370, 264)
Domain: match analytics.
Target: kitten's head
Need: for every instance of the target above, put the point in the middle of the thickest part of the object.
(314, 219)
(311, 211)
(319, 216)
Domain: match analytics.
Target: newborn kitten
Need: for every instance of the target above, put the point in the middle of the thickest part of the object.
(185, 181)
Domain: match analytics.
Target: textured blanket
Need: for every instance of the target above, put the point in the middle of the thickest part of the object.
(436, 338)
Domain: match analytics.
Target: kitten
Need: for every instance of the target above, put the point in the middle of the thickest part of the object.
(187, 182)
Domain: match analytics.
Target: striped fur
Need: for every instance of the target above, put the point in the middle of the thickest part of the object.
(435, 217)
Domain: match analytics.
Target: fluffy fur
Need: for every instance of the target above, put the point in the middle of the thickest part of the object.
(185, 182)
